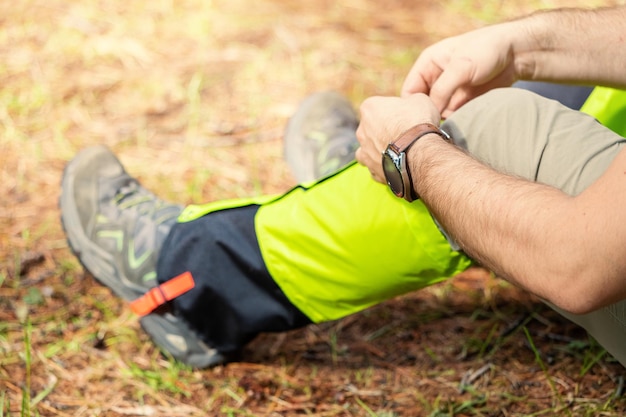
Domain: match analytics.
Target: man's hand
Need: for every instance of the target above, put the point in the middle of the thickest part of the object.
(457, 69)
(383, 119)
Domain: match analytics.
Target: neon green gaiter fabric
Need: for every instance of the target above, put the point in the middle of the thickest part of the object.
(347, 243)
(608, 106)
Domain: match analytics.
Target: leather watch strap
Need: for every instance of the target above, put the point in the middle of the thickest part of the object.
(410, 136)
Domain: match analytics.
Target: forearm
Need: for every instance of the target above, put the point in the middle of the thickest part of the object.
(572, 45)
(521, 230)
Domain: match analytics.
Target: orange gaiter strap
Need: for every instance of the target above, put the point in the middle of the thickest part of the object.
(163, 293)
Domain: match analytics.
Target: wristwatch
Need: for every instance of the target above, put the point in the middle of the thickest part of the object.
(395, 165)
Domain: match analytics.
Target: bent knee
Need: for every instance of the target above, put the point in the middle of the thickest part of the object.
(506, 128)
(494, 115)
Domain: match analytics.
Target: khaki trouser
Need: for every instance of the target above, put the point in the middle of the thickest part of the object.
(520, 133)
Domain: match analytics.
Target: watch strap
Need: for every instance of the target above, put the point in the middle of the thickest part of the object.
(410, 136)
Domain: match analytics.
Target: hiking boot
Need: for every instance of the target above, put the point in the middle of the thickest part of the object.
(116, 228)
(320, 137)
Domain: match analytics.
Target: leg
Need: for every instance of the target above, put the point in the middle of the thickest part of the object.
(321, 252)
(317, 253)
(543, 141)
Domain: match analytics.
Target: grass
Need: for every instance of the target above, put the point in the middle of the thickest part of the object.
(183, 92)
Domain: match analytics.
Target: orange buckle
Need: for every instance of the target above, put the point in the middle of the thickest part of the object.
(163, 293)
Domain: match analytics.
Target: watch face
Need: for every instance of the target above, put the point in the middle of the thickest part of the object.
(392, 173)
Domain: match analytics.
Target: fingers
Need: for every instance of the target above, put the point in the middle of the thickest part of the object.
(415, 81)
(373, 134)
(374, 165)
(457, 74)
(383, 119)
(368, 153)
(439, 84)
(455, 70)
(424, 72)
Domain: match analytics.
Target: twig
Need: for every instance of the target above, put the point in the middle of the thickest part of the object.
(469, 377)
(619, 390)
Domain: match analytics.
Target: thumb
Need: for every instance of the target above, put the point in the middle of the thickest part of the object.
(458, 74)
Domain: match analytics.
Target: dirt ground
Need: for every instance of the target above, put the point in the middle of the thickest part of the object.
(193, 96)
